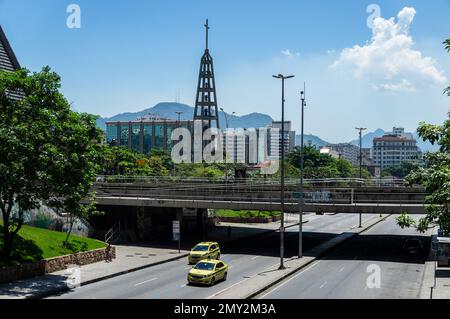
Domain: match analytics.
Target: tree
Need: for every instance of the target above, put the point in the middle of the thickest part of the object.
(401, 171)
(319, 165)
(434, 176)
(447, 47)
(48, 153)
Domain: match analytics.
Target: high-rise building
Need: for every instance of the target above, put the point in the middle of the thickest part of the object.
(394, 148)
(275, 134)
(145, 134)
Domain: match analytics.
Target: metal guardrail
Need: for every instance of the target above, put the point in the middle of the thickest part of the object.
(237, 193)
(113, 234)
(252, 181)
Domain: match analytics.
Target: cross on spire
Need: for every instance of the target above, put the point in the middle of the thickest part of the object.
(206, 107)
(207, 32)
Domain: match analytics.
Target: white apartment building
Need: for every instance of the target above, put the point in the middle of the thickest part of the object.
(394, 148)
(346, 151)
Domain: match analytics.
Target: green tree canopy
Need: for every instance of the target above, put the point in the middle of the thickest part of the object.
(401, 171)
(48, 153)
(435, 176)
(319, 165)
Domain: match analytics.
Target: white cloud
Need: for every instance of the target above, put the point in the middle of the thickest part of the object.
(288, 53)
(389, 60)
(403, 85)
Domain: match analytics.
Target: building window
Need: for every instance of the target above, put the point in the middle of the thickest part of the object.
(148, 138)
(136, 137)
(124, 133)
(159, 136)
(170, 129)
(111, 135)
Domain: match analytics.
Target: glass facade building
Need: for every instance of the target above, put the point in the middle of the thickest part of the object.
(250, 146)
(143, 136)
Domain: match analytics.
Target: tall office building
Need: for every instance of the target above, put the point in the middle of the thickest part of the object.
(275, 138)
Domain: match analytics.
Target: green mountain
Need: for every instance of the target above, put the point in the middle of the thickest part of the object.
(168, 111)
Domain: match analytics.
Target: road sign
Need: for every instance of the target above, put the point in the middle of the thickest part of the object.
(176, 233)
(176, 227)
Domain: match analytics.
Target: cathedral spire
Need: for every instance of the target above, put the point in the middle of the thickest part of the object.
(206, 107)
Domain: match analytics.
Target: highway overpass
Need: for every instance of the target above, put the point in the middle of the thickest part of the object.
(324, 196)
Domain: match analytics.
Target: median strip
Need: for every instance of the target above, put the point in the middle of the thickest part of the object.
(261, 282)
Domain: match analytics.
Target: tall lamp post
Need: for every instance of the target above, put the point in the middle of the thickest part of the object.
(179, 115)
(226, 116)
(302, 164)
(360, 129)
(282, 78)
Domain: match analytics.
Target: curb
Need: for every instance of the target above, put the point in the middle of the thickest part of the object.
(426, 291)
(60, 290)
(92, 281)
(319, 256)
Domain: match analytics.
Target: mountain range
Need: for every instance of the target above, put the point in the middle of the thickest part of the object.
(168, 110)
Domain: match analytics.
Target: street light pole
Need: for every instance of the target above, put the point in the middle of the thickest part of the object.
(179, 115)
(282, 78)
(360, 129)
(302, 161)
(226, 116)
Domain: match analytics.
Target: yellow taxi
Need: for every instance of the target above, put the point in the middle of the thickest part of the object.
(205, 250)
(208, 272)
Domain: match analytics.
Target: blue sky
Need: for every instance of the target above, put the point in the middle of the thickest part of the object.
(130, 55)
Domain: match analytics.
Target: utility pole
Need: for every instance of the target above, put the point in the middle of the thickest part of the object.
(282, 78)
(360, 129)
(302, 161)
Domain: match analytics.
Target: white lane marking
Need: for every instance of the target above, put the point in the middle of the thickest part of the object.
(144, 282)
(182, 286)
(323, 285)
(239, 282)
(342, 269)
(256, 257)
(284, 283)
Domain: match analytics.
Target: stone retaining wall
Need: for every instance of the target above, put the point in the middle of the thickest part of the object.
(46, 266)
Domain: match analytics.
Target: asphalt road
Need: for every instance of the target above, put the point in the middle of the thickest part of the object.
(168, 281)
(345, 272)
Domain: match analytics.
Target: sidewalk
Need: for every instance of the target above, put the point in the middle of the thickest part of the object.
(129, 258)
(436, 282)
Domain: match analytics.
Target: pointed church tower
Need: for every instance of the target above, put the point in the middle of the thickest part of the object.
(8, 60)
(206, 108)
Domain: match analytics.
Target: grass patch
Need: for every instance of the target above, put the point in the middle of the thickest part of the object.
(33, 244)
(245, 213)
